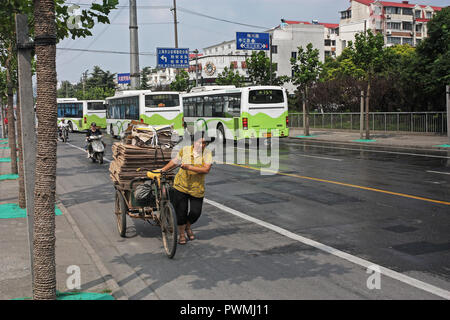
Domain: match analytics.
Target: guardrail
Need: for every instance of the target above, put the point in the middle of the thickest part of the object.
(427, 122)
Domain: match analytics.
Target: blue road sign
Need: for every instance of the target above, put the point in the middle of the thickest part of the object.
(252, 41)
(123, 78)
(172, 57)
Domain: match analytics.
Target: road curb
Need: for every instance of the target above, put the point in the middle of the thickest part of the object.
(117, 292)
(371, 144)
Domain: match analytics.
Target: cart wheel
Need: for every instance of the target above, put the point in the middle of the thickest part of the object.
(169, 229)
(121, 214)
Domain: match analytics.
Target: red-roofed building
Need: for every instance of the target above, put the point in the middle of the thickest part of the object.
(400, 22)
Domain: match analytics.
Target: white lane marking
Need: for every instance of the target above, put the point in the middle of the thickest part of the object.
(105, 159)
(438, 172)
(381, 151)
(304, 155)
(364, 263)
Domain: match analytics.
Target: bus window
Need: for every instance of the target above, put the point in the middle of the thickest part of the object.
(96, 106)
(208, 106)
(234, 105)
(162, 100)
(218, 104)
(198, 109)
(265, 96)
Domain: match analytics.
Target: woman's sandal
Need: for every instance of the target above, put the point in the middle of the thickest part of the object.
(182, 240)
(190, 234)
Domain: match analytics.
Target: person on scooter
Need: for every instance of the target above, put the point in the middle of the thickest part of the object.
(93, 131)
(61, 125)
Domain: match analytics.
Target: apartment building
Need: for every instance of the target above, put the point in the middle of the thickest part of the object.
(399, 22)
(286, 38)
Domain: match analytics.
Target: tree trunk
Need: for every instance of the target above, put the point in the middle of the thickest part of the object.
(45, 185)
(3, 119)
(305, 113)
(22, 201)
(367, 110)
(11, 121)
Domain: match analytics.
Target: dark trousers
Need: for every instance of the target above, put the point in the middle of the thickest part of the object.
(187, 207)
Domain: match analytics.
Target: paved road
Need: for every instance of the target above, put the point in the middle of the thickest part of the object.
(380, 205)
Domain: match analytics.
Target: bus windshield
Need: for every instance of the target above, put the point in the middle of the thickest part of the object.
(162, 100)
(265, 96)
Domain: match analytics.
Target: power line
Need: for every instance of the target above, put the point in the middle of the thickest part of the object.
(141, 7)
(220, 19)
(105, 51)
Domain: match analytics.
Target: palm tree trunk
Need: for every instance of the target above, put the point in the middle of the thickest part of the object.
(44, 190)
(10, 112)
(22, 202)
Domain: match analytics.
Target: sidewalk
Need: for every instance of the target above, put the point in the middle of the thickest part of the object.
(71, 250)
(378, 139)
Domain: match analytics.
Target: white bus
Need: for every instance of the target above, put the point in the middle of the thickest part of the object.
(154, 108)
(237, 113)
(79, 114)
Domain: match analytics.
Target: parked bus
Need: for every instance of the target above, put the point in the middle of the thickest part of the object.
(154, 108)
(237, 113)
(79, 114)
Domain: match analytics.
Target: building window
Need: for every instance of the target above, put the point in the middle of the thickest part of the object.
(394, 25)
(378, 11)
(393, 10)
(408, 41)
(217, 49)
(429, 15)
(407, 26)
(333, 42)
(407, 11)
(327, 53)
(274, 49)
(327, 42)
(229, 46)
(418, 28)
(394, 40)
(418, 13)
(294, 55)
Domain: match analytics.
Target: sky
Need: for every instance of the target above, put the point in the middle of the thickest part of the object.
(156, 28)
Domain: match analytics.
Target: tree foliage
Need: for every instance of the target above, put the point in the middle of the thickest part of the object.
(258, 66)
(181, 82)
(230, 77)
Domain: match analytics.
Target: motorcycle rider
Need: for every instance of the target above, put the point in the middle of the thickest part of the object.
(62, 125)
(93, 131)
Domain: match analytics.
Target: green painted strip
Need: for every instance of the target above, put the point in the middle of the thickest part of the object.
(364, 140)
(9, 176)
(5, 159)
(6, 142)
(4, 147)
(12, 210)
(443, 146)
(78, 296)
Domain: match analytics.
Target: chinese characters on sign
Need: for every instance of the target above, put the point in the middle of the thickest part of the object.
(172, 57)
(252, 41)
(123, 78)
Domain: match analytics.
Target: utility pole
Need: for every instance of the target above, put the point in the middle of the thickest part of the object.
(28, 124)
(134, 47)
(196, 67)
(175, 22)
(270, 45)
(361, 117)
(448, 112)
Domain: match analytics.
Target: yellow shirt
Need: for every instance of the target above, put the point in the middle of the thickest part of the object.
(187, 181)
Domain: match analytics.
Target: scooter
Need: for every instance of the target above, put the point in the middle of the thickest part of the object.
(98, 149)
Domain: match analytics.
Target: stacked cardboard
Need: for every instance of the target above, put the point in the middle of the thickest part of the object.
(143, 147)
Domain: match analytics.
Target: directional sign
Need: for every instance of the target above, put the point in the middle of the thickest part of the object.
(123, 78)
(252, 41)
(172, 57)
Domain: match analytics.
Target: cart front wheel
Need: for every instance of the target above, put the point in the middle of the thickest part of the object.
(121, 214)
(168, 221)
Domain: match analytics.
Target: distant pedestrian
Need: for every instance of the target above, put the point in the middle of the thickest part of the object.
(6, 125)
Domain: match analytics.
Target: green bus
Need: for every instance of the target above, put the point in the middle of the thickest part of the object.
(79, 114)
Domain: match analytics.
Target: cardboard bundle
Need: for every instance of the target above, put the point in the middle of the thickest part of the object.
(144, 135)
(128, 158)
